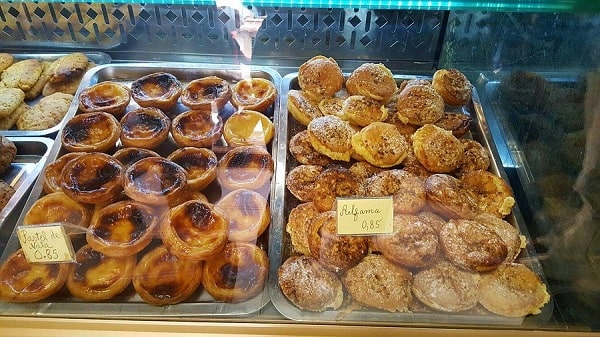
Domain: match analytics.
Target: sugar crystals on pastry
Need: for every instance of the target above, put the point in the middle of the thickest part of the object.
(302, 107)
(320, 77)
(380, 144)
(362, 110)
(407, 190)
(419, 105)
(437, 149)
(453, 86)
(372, 80)
(331, 136)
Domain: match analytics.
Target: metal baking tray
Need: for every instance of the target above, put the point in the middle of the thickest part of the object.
(32, 153)
(129, 304)
(281, 247)
(98, 58)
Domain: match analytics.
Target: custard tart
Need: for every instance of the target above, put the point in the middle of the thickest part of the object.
(161, 278)
(237, 274)
(196, 128)
(247, 212)
(21, 281)
(91, 132)
(122, 229)
(248, 127)
(53, 172)
(159, 90)
(144, 127)
(92, 178)
(155, 180)
(110, 97)
(96, 277)
(199, 163)
(129, 155)
(249, 166)
(206, 94)
(193, 231)
(57, 207)
(257, 94)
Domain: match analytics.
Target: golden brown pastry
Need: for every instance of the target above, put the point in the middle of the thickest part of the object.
(432, 219)
(301, 107)
(144, 128)
(6, 60)
(237, 274)
(6, 193)
(494, 194)
(129, 155)
(10, 99)
(247, 212)
(453, 86)
(301, 180)
(155, 180)
(248, 127)
(308, 285)
(91, 132)
(57, 207)
(248, 167)
(512, 290)
(92, 178)
(419, 105)
(472, 246)
(447, 288)
(257, 94)
(8, 122)
(208, 94)
(447, 196)
(334, 181)
(22, 74)
(304, 153)
(331, 136)
(47, 113)
(70, 86)
(39, 85)
(161, 278)
(21, 281)
(52, 173)
(320, 77)
(159, 90)
(458, 123)
(376, 282)
(437, 149)
(362, 111)
(412, 244)
(194, 231)
(108, 96)
(475, 157)
(373, 80)
(67, 67)
(123, 228)
(199, 163)
(407, 190)
(196, 128)
(333, 106)
(336, 252)
(97, 277)
(380, 144)
(8, 152)
(298, 224)
(508, 233)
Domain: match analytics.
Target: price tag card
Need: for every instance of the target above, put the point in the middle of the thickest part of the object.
(365, 216)
(45, 243)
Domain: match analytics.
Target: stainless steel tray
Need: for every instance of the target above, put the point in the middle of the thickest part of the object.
(129, 304)
(98, 58)
(32, 153)
(281, 248)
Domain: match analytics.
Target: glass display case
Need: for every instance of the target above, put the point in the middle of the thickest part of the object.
(533, 109)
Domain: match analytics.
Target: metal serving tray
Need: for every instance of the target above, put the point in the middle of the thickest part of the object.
(280, 246)
(129, 304)
(98, 58)
(32, 153)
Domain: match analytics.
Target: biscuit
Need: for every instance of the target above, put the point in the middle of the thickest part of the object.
(10, 99)
(37, 88)
(6, 192)
(69, 86)
(49, 111)
(67, 67)
(22, 74)
(6, 60)
(9, 121)
(8, 151)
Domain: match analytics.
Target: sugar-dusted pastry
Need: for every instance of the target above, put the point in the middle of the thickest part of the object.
(448, 196)
(362, 110)
(508, 233)
(320, 77)
(376, 282)
(380, 144)
(237, 274)
(373, 80)
(248, 127)
(144, 128)
(97, 277)
(208, 94)
(301, 180)
(419, 105)
(258, 94)
(298, 224)
(407, 190)
(199, 163)
(494, 193)
(302, 107)
(513, 290)
(453, 86)
(304, 153)
(331, 136)
(196, 128)
(108, 96)
(308, 285)
(249, 166)
(437, 149)
(333, 106)
(475, 157)
(334, 181)
(91, 132)
(247, 212)
(458, 123)
(159, 90)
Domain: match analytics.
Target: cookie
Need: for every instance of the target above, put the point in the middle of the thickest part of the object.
(67, 67)
(6, 60)
(69, 86)
(9, 121)
(6, 192)
(47, 113)
(22, 74)
(37, 88)
(10, 99)
(8, 151)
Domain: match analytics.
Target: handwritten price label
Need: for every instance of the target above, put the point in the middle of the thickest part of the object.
(365, 216)
(45, 243)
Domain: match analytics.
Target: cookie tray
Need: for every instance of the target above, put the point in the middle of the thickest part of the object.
(32, 153)
(280, 246)
(129, 304)
(98, 58)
